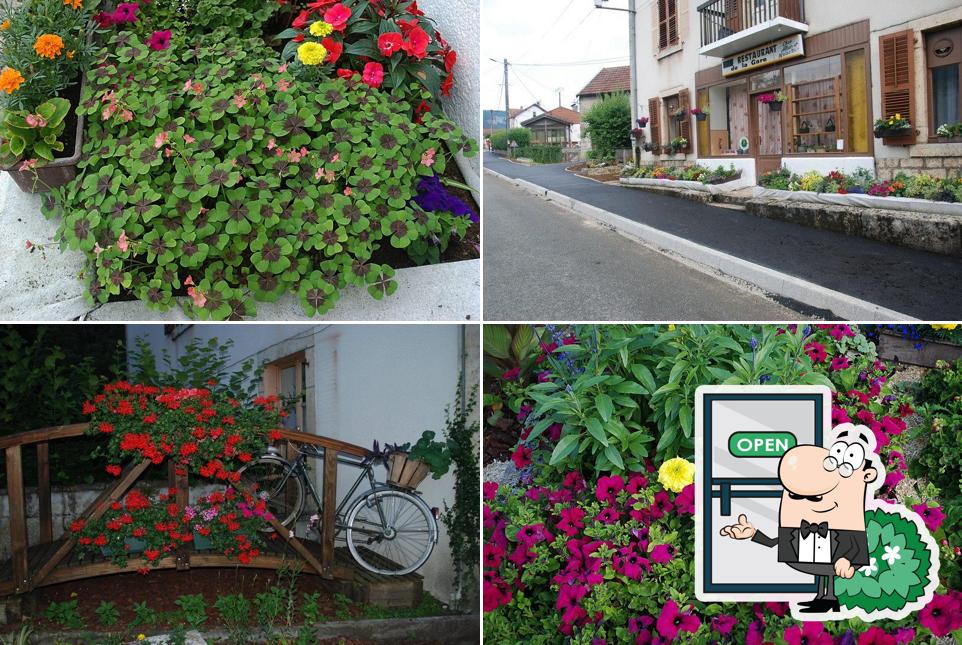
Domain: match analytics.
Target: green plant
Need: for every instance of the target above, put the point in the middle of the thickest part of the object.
(235, 612)
(461, 519)
(34, 136)
(342, 606)
(45, 72)
(242, 16)
(608, 123)
(193, 609)
(19, 638)
(501, 138)
(178, 636)
(436, 454)
(198, 365)
(277, 186)
(107, 613)
(144, 614)
(949, 130)
(65, 614)
(268, 606)
(540, 153)
(310, 609)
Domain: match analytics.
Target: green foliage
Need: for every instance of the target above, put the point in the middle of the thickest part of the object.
(461, 519)
(23, 140)
(310, 609)
(694, 172)
(434, 453)
(44, 78)
(501, 138)
(342, 606)
(18, 638)
(209, 178)
(144, 614)
(540, 154)
(235, 612)
(938, 400)
(193, 609)
(608, 123)
(107, 613)
(268, 606)
(65, 614)
(241, 16)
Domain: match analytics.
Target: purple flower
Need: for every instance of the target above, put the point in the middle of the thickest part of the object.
(160, 40)
(723, 624)
(931, 515)
(941, 616)
(433, 196)
(671, 621)
(662, 553)
(125, 12)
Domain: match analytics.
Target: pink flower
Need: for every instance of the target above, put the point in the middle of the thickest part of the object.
(685, 500)
(123, 243)
(189, 139)
(942, 616)
(36, 121)
(571, 521)
(608, 488)
(282, 68)
(427, 159)
(29, 245)
(373, 74)
(161, 138)
(197, 296)
(512, 374)
(347, 191)
(839, 363)
(809, 634)
(931, 515)
(816, 351)
(671, 621)
(876, 636)
(723, 624)
(125, 12)
(662, 553)
(490, 490)
(159, 40)
(28, 164)
(337, 16)
(521, 456)
(239, 100)
(283, 85)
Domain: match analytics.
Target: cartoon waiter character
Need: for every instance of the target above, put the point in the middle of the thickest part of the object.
(821, 527)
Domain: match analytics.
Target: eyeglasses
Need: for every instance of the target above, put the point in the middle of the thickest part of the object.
(845, 469)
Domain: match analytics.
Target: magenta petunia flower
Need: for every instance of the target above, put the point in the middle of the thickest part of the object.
(662, 553)
(160, 40)
(608, 516)
(636, 483)
(876, 636)
(571, 521)
(839, 416)
(125, 12)
(723, 624)
(661, 505)
(941, 616)
(810, 633)
(685, 500)
(839, 363)
(931, 515)
(672, 620)
(816, 351)
(521, 456)
(574, 481)
(608, 488)
(490, 490)
(512, 374)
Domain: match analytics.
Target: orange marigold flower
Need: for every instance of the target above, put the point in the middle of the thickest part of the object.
(4, 25)
(75, 4)
(10, 80)
(70, 54)
(48, 46)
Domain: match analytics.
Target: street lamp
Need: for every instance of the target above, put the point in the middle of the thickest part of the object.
(600, 4)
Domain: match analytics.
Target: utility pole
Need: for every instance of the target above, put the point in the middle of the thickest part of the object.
(633, 64)
(507, 100)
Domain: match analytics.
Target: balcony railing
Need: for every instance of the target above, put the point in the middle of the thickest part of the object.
(723, 18)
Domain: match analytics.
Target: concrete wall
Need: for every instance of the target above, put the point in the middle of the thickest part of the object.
(364, 382)
(460, 23)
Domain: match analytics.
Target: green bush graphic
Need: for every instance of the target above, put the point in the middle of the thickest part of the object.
(889, 582)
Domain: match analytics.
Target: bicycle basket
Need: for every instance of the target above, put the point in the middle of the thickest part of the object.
(405, 472)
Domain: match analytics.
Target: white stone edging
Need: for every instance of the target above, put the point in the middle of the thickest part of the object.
(714, 189)
(905, 204)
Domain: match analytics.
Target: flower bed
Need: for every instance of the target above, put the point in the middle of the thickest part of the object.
(912, 193)
(218, 170)
(693, 177)
(595, 541)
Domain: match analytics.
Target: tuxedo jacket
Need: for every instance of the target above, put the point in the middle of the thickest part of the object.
(851, 545)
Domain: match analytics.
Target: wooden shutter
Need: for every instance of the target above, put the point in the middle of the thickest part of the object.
(654, 108)
(662, 24)
(672, 22)
(733, 17)
(897, 54)
(684, 126)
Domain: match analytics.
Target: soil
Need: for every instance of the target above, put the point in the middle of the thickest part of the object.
(607, 174)
(500, 439)
(160, 590)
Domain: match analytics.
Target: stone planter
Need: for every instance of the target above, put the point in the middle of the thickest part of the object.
(905, 204)
(58, 172)
(894, 347)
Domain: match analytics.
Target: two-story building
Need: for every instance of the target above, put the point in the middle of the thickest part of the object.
(800, 83)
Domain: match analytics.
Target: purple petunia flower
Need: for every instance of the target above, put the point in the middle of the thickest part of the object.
(433, 196)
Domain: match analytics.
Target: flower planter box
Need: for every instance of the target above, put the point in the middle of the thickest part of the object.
(58, 172)
(701, 117)
(134, 545)
(897, 348)
(405, 472)
(732, 184)
(905, 204)
(775, 106)
(948, 140)
(202, 542)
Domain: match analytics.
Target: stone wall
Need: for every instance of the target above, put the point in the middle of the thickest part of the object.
(935, 159)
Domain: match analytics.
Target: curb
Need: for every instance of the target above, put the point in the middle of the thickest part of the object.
(840, 304)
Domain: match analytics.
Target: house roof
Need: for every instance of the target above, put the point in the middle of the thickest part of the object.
(609, 79)
(566, 115)
(513, 112)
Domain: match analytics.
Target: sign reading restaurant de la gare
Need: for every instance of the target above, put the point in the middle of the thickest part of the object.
(769, 54)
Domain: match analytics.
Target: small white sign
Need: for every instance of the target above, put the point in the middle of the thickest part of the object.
(774, 52)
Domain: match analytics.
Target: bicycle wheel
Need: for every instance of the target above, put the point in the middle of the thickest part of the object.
(399, 545)
(283, 493)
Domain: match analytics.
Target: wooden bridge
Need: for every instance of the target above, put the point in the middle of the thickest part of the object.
(50, 561)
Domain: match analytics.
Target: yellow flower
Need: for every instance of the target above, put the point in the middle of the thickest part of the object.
(676, 473)
(898, 116)
(321, 29)
(311, 53)
(5, 25)
(48, 46)
(70, 54)
(10, 80)
(951, 326)
(141, 637)
(671, 327)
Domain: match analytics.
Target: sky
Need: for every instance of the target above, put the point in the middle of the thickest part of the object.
(540, 39)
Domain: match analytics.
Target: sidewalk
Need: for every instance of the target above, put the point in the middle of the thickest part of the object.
(914, 283)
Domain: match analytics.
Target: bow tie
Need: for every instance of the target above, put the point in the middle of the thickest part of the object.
(808, 528)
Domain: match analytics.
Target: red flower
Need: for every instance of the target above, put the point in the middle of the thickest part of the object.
(77, 526)
(101, 540)
(113, 470)
(337, 16)
(450, 58)
(299, 38)
(245, 457)
(89, 408)
(151, 554)
(334, 50)
(274, 435)
(301, 20)
(390, 43)
(373, 74)
(124, 407)
(346, 74)
(150, 418)
(447, 85)
(105, 428)
(188, 449)
(417, 43)
(421, 110)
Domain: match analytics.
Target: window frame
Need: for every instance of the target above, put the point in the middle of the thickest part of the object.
(271, 379)
(667, 16)
(928, 36)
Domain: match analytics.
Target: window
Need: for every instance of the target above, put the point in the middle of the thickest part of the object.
(287, 378)
(671, 105)
(667, 23)
(943, 57)
(814, 105)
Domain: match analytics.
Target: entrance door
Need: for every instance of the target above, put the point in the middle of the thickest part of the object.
(741, 434)
(766, 125)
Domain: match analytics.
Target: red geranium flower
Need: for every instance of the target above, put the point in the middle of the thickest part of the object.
(337, 16)
(417, 43)
(113, 470)
(373, 74)
(390, 43)
(334, 50)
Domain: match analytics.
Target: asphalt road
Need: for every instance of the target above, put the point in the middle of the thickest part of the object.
(542, 262)
(916, 283)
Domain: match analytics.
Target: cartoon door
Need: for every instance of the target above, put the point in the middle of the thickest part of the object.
(741, 433)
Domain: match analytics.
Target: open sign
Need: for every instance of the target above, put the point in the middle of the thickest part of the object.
(761, 444)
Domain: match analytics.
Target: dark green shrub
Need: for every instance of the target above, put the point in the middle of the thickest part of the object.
(608, 123)
(540, 154)
(500, 138)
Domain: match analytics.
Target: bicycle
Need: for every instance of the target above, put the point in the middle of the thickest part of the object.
(388, 530)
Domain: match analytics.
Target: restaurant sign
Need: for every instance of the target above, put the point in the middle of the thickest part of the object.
(769, 54)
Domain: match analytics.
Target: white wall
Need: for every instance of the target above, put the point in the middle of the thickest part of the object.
(460, 24)
(366, 382)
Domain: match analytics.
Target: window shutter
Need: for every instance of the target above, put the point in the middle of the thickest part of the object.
(662, 24)
(655, 26)
(654, 120)
(672, 22)
(684, 126)
(897, 54)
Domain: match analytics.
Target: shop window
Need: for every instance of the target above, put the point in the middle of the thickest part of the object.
(728, 118)
(814, 105)
(667, 23)
(857, 102)
(943, 57)
(287, 379)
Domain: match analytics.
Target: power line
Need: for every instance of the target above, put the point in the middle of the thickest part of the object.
(545, 32)
(573, 63)
(523, 84)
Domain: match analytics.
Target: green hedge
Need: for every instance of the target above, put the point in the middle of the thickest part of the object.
(540, 154)
(500, 138)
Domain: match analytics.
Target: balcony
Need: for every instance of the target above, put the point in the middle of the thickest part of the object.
(732, 26)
